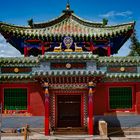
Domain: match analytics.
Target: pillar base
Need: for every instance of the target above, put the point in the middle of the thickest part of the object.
(90, 127)
(47, 130)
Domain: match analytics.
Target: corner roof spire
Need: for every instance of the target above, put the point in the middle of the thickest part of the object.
(68, 10)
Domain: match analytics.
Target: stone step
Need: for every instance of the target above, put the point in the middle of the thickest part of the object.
(124, 138)
(123, 132)
(70, 131)
(60, 130)
(123, 128)
(132, 132)
(133, 137)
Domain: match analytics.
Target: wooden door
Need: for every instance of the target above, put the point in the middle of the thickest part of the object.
(69, 110)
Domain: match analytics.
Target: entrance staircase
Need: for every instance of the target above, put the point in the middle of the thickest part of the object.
(71, 131)
(125, 133)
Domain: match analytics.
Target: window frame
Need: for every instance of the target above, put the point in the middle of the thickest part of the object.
(132, 109)
(17, 87)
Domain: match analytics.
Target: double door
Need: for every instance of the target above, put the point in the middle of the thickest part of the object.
(68, 110)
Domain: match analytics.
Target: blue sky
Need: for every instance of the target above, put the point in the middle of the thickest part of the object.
(19, 11)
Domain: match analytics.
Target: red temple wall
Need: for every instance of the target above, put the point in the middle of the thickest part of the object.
(138, 98)
(101, 103)
(36, 100)
(100, 100)
(35, 96)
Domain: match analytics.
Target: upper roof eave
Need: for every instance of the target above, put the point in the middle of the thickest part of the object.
(14, 26)
(63, 16)
(122, 24)
(86, 21)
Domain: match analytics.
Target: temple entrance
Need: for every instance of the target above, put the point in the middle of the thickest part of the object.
(69, 110)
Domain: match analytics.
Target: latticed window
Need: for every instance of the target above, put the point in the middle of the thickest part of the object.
(15, 99)
(120, 97)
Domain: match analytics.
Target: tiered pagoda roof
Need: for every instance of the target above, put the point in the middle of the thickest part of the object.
(67, 24)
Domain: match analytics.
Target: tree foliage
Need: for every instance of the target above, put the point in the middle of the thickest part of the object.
(135, 45)
(105, 21)
(30, 22)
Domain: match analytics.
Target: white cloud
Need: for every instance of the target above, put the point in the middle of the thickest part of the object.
(115, 13)
(2, 51)
(7, 50)
(124, 50)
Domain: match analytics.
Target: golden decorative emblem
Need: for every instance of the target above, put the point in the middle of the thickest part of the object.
(68, 41)
(68, 65)
(16, 70)
(122, 69)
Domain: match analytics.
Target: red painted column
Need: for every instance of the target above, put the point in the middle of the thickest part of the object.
(91, 47)
(43, 49)
(47, 131)
(25, 51)
(108, 51)
(90, 109)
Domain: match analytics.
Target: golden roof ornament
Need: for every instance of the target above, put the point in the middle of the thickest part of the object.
(78, 49)
(68, 10)
(58, 49)
(68, 5)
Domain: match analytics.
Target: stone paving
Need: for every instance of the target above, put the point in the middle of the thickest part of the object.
(38, 122)
(70, 137)
(61, 137)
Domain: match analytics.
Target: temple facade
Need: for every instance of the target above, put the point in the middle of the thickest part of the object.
(68, 73)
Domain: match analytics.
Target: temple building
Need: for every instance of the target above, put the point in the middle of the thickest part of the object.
(68, 73)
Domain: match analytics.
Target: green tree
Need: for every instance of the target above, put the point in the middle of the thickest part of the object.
(135, 45)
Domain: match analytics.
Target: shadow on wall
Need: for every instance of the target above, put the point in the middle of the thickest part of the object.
(113, 124)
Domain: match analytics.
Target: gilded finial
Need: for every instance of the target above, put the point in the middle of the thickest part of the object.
(68, 5)
(68, 10)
